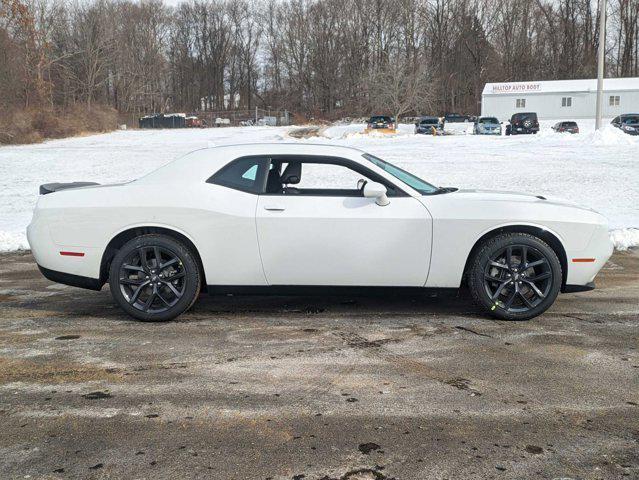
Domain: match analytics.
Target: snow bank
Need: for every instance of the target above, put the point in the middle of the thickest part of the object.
(610, 135)
(10, 241)
(625, 238)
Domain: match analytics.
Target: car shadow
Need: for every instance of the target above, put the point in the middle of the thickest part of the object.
(74, 303)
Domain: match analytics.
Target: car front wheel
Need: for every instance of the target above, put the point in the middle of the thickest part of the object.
(154, 278)
(515, 276)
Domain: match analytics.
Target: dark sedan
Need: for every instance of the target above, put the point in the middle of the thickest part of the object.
(429, 126)
(570, 127)
(628, 122)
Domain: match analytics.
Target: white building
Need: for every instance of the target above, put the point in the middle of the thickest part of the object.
(560, 99)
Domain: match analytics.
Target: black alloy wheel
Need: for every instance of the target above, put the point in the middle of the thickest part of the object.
(515, 276)
(154, 278)
(518, 278)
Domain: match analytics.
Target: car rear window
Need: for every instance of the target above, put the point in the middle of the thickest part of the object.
(522, 117)
(244, 174)
(570, 124)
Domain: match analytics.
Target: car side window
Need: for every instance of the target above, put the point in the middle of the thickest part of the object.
(316, 176)
(244, 174)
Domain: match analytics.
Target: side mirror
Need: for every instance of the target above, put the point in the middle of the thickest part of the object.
(378, 192)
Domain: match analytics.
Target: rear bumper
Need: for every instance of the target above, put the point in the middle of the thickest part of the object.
(72, 280)
(523, 130)
(51, 255)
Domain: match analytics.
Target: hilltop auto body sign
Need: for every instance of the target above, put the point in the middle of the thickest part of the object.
(516, 88)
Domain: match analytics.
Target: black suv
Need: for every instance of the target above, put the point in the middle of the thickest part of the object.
(628, 122)
(523, 123)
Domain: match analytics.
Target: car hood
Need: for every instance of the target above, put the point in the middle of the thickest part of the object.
(520, 197)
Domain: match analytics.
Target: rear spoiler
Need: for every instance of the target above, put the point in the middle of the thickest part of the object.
(56, 187)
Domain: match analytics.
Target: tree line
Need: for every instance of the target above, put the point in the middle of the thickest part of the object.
(317, 58)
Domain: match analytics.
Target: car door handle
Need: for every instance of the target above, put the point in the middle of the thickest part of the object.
(274, 209)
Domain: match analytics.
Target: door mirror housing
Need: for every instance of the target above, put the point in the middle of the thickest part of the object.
(378, 192)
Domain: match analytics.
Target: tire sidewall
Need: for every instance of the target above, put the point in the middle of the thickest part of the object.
(191, 270)
(483, 257)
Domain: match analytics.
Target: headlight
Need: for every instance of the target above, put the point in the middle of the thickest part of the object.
(628, 128)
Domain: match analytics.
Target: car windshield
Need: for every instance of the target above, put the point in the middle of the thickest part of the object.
(428, 121)
(488, 120)
(379, 119)
(634, 119)
(409, 179)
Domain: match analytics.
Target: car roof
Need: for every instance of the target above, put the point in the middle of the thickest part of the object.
(204, 162)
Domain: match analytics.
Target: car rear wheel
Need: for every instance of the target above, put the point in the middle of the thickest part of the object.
(154, 278)
(515, 276)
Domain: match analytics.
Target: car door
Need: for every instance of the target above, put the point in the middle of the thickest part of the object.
(322, 231)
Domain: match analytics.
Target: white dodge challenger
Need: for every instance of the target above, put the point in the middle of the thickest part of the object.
(290, 218)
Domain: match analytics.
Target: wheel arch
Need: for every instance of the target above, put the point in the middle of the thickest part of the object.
(130, 233)
(544, 234)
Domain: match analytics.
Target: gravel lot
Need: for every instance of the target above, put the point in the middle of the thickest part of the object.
(317, 388)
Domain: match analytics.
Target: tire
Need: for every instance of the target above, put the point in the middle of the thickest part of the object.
(519, 289)
(157, 269)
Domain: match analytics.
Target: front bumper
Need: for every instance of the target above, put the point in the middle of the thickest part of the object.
(578, 288)
(428, 131)
(582, 271)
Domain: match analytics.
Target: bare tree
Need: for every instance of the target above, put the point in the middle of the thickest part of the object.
(398, 89)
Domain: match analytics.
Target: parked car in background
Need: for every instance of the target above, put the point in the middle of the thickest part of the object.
(487, 126)
(523, 124)
(628, 122)
(429, 125)
(568, 126)
(193, 121)
(380, 122)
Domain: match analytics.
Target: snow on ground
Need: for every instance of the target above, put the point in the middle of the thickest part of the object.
(597, 169)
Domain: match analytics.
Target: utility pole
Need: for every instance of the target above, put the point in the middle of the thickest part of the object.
(600, 63)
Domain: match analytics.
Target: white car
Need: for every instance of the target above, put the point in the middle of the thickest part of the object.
(287, 218)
